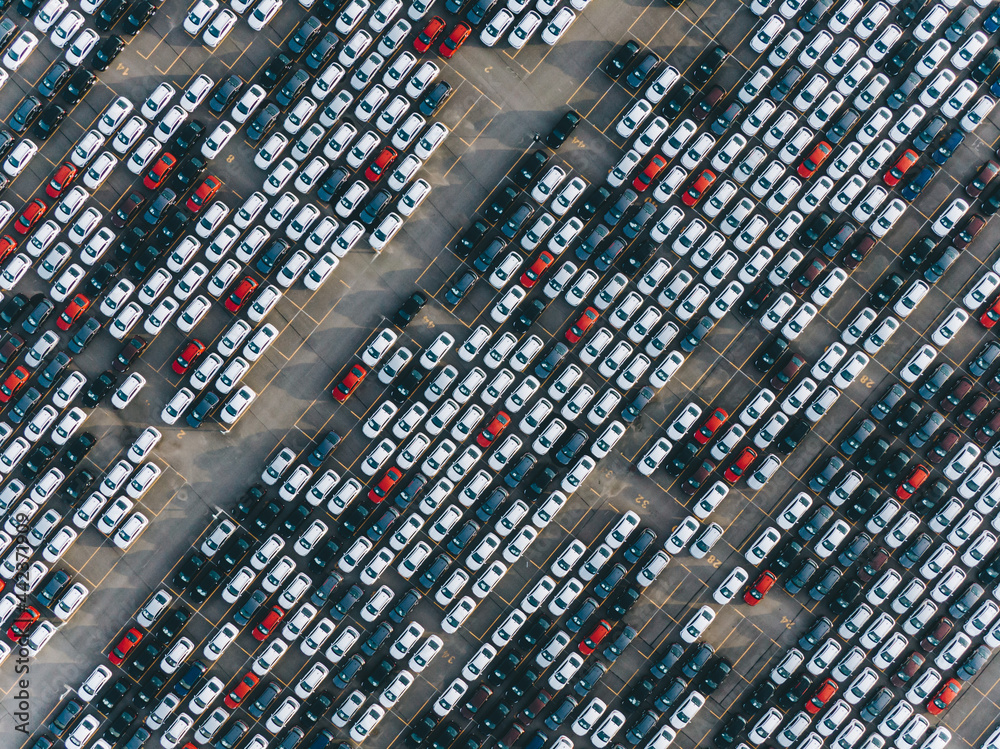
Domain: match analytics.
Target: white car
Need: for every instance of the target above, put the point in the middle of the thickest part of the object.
(219, 28)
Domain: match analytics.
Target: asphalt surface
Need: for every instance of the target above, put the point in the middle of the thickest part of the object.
(501, 102)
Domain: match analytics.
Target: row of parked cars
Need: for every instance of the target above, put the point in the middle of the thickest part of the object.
(849, 487)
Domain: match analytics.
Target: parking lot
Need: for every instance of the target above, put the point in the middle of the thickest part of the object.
(503, 103)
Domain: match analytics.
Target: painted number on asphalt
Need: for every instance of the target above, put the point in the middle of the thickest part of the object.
(713, 561)
(642, 502)
(868, 382)
(787, 622)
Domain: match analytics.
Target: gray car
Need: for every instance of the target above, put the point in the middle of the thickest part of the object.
(616, 648)
(825, 475)
(850, 444)
(614, 214)
(461, 287)
(801, 576)
(926, 430)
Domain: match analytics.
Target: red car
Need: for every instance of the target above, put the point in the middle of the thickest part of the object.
(824, 693)
(120, 651)
(425, 39)
(495, 428)
(530, 277)
(594, 638)
(760, 587)
(945, 696)
(191, 351)
(908, 159)
(382, 162)
(706, 430)
(914, 481)
(582, 325)
(71, 314)
(733, 473)
(455, 40)
(698, 186)
(64, 175)
(159, 171)
(349, 384)
(204, 193)
(241, 690)
(22, 624)
(645, 178)
(268, 623)
(815, 159)
(992, 314)
(381, 490)
(7, 245)
(30, 216)
(13, 383)
(243, 290)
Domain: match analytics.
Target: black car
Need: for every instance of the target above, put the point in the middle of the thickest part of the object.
(187, 138)
(78, 485)
(501, 202)
(225, 94)
(323, 51)
(332, 184)
(119, 725)
(409, 309)
(272, 73)
(202, 409)
(757, 297)
(57, 74)
(262, 122)
(99, 389)
(110, 13)
(528, 168)
(112, 696)
(435, 98)
(900, 56)
(759, 697)
(205, 585)
(433, 572)
(25, 114)
(594, 201)
(563, 129)
(79, 85)
(470, 238)
(709, 65)
(106, 52)
(882, 294)
(730, 731)
(12, 310)
(787, 555)
(37, 459)
(527, 315)
(272, 256)
(621, 59)
(49, 122)
(139, 16)
(770, 354)
(794, 692)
